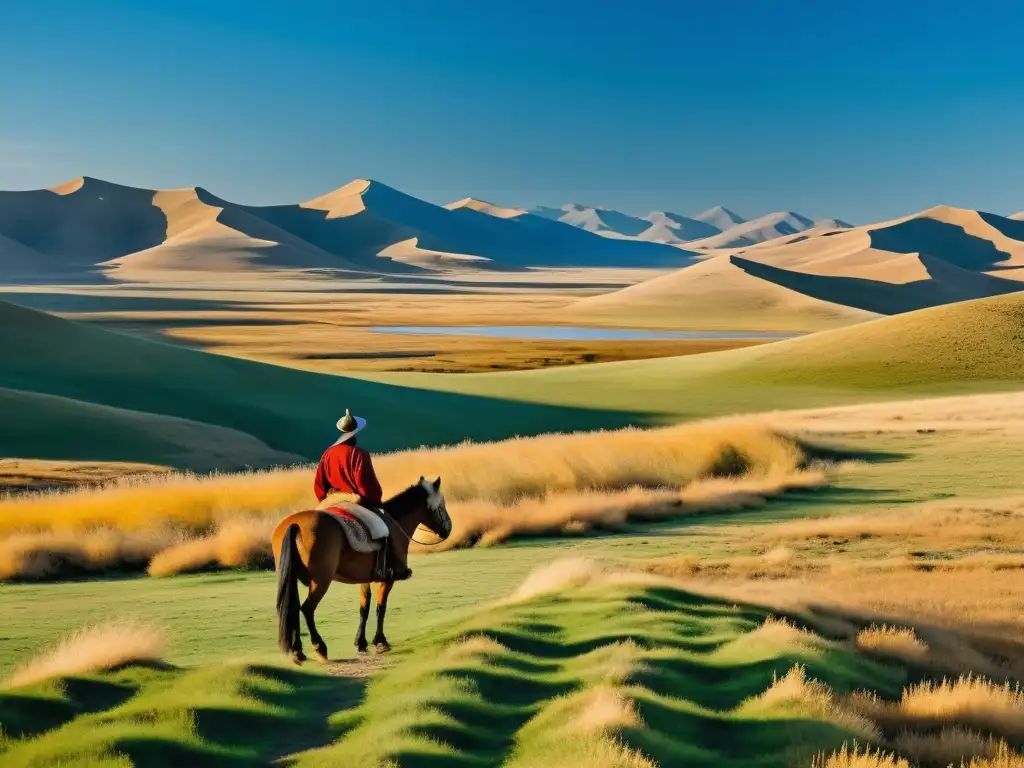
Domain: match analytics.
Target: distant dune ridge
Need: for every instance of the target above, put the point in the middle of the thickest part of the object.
(90, 227)
(825, 277)
(717, 227)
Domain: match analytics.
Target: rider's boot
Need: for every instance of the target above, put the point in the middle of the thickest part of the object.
(381, 571)
(400, 570)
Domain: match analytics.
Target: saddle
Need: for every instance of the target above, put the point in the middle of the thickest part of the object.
(362, 527)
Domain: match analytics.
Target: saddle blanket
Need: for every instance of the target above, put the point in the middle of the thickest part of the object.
(361, 527)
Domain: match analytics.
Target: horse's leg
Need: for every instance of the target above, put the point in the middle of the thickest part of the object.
(317, 590)
(364, 613)
(379, 641)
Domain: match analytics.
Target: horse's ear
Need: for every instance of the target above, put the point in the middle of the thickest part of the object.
(437, 484)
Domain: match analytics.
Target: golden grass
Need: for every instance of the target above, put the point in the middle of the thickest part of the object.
(236, 543)
(40, 474)
(899, 643)
(956, 564)
(854, 757)
(95, 649)
(796, 694)
(38, 556)
(550, 485)
(485, 523)
(1004, 758)
(950, 746)
(970, 702)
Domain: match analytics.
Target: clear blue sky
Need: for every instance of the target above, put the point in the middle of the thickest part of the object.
(862, 110)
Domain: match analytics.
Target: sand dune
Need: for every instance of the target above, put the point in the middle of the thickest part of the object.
(483, 206)
(821, 278)
(716, 294)
(1017, 216)
(715, 228)
(93, 227)
(720, 218)
(766, 227)
(669, 227)
(597, 220)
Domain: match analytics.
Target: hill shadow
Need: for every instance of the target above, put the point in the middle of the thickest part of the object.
(97, 222)
(946, 284)
(944, 241)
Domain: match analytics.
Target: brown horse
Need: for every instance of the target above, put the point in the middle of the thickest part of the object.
(310, 547)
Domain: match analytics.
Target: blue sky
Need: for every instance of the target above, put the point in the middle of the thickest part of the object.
(862, 110)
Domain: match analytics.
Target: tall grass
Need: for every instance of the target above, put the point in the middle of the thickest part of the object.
(550, 485)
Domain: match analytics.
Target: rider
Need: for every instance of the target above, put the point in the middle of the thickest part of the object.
(346, 470)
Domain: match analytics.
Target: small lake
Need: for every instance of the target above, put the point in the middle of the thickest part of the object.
(571, 333)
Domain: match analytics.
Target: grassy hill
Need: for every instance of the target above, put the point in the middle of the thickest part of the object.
(965, 347)
(153, 402)
(73, 391)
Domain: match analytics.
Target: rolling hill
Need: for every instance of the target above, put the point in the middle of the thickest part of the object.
(825, 278)
(972, 346)
(70, 390)
(93, 228)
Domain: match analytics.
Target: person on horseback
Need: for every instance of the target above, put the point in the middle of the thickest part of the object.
(345, 474)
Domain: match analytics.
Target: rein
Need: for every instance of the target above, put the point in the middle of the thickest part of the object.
(407, 536)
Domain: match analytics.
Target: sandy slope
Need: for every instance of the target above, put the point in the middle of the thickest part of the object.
(715, 294)
(825, 277)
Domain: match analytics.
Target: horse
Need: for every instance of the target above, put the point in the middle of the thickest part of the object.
(310, 547)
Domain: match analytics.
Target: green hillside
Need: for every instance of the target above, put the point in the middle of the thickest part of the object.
(290, 412)
(967, 347)
(278, 414)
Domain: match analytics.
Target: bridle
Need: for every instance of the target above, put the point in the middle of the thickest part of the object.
(406, 535)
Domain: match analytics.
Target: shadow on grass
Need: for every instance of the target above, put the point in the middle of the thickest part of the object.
(37, 709)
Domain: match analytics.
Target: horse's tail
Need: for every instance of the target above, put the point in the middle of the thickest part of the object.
(288, 592)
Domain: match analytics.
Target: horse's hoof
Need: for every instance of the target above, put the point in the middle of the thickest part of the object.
(362, 647)
(382, 647)
(298, 657)
(321, 653)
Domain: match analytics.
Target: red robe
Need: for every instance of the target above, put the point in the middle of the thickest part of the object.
(348, 469)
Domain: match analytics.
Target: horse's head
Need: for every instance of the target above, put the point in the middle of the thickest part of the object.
(436, 518)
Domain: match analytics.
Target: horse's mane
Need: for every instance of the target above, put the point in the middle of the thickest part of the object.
(400, 498)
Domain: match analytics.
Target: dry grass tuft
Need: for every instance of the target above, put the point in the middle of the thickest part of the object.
(950, 746)
(795, 693)
(848, 757)
(237, 543)
(969, 702)
(898, 643)
(1004, 758)
(49, 555)
(603, 709)
(95, 649)
(560, 575)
